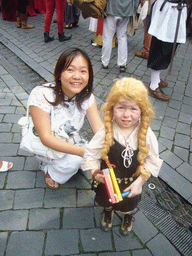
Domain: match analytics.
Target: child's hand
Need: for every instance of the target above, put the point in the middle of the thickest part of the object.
(97, 175)
(136, 187)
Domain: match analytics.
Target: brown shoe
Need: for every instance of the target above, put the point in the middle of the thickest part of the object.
(142, 55)
(126, 225)
(106, 222)
(163, 83)
(159, 94)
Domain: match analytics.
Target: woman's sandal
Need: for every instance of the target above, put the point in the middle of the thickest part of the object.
(50, 183)
(5, 166)
(123, 69)
(69, 26)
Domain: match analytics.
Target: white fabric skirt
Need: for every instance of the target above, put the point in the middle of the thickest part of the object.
(163, 23)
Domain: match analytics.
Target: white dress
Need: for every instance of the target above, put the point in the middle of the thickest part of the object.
(70, 120)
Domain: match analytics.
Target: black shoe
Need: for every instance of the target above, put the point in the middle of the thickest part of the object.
(62, 37)
(47, 38)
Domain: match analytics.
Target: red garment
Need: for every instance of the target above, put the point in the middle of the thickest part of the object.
(60, 7)
(31, 9)
(100, 27)
(8, 9)
(40, 5)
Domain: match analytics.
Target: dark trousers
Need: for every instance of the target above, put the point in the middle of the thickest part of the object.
(22, 6)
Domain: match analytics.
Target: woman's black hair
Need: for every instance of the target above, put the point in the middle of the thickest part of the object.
(63, 63)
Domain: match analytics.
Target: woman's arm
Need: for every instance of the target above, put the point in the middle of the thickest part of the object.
(94, 117)
(42, 123)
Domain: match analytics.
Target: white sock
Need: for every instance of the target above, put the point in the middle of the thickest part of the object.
(155, 79)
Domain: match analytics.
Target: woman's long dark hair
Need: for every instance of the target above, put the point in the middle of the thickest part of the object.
(63, 63)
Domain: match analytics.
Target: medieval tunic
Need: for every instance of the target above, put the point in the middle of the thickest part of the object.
(92, 160)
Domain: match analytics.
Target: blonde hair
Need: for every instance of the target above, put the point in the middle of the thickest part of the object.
(134, 90)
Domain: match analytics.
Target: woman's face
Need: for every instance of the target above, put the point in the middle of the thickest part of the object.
(75, 78)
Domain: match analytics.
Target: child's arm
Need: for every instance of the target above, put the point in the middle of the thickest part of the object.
(136, 186)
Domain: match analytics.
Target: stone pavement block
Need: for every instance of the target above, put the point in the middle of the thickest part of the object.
(18, 163)
(26, 243)
(30, 198)
(186, 171)
(123, 243)
(16, 137)
(5, 127)
(40, 219)
(167, 132)
(177, 182)
(16, 128)
(186, 109)
(20, 110)
(3, 242)
(13, 220)
(40, 180)
(96, 240)
(7, 149)
(6, 137)
(170, 122)
(7, 197)
(183, 128)
(144, 252)
(20, 180)
(79, 218)
(160, 246)
(11, 118)
(182, 140)
(62, 242)
(31, 163)
(85, 198)
(60, 198)
(181, 153)
(177, 96)
(78, 181)
(173, 113)
(115, 254)
(171, 158)
(175, 104)
(155, 124)
(140, 226)
(5, 102)
(2, 179)
(187, 100)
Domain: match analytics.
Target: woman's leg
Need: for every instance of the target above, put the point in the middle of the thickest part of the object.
(60, 8)
(50, 5)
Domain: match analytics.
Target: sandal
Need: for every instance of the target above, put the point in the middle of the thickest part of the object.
(50, 183)
(5, 166)
(123, 69)
(69, 26)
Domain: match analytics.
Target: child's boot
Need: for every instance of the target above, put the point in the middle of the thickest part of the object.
(126, 225)
(18, 19)
(106, 222)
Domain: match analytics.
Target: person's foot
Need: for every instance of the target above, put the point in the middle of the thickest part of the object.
(68, 26)
(5, 166)
(47, 38)
(50, 183)
(142, 55)
(126, 225)
(123, 69)
(105, 67)
(62, 37)
(163, 83)
(159, 94)
(106, 222)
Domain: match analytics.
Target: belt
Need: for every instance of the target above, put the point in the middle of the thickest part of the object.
(172, 1)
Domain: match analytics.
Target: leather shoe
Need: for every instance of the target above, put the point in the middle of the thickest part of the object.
(142, 55)
(159, 94)
(163, 83)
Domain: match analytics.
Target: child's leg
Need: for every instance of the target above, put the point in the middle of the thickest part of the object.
(126, 225)
(106, 222)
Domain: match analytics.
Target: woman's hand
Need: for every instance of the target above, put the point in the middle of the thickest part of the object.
(97, 175)
(136, 186)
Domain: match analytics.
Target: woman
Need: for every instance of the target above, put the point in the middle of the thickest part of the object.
(72, 99)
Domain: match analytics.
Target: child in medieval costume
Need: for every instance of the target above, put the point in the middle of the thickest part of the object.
(127, 142)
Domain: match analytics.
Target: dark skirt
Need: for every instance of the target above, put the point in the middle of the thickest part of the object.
(124, 175)
(72, 14)
(160, 54)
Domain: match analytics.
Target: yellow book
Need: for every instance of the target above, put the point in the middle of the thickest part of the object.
(115, 184)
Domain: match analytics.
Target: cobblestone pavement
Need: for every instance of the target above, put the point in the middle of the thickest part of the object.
(35, 220)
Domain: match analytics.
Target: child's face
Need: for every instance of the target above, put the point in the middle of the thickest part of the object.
(75, 78)
(126, 114)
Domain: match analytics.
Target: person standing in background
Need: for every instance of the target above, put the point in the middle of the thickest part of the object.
(21, 14)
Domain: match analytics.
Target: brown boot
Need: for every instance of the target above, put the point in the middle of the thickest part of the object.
(24, 24)
(18, 19)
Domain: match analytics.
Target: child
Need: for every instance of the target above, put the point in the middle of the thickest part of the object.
(126, 141)
(71, 98)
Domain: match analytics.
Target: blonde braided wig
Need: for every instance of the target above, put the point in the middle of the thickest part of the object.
(134, 90)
